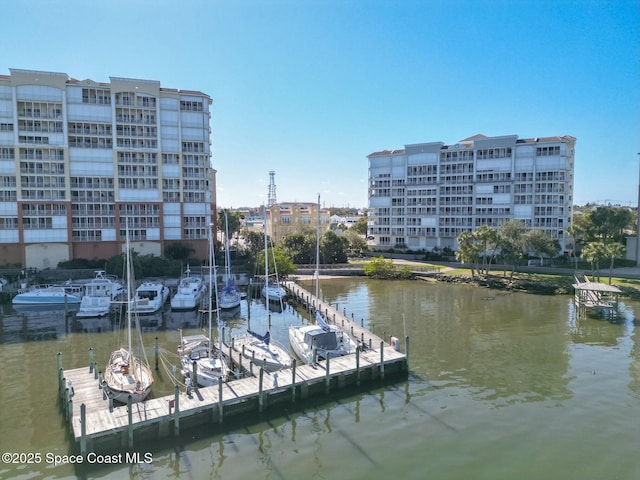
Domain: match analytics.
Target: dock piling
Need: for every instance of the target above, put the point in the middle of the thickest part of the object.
(176, 410)
(130, 420)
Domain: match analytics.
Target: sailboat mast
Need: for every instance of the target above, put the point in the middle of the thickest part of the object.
(266, 261)
(129, 273)
(317, 273)
(211, 286)
(227, 253)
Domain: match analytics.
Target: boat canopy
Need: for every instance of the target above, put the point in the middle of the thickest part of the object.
(325, 340)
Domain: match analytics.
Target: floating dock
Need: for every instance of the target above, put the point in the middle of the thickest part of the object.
(97, 425)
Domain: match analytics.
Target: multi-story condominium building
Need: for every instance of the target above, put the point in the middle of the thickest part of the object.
(300, 217)
(425, 195)
(80, 161)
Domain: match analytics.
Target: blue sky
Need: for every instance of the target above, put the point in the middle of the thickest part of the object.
(309, 88)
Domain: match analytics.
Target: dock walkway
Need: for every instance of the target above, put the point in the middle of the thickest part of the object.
(96, 424)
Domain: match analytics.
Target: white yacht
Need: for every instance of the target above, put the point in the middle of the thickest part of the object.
(189, 293)
(99, 295)
(150, 297)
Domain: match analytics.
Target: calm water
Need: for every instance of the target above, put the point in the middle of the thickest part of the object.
(502, 386)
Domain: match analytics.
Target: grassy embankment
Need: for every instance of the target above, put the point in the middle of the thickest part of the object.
(539, 283)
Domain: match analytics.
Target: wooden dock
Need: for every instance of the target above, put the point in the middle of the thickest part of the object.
(97, 425)
(594, 296)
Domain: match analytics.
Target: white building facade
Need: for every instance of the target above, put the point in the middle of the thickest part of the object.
(80, 160)
(425, 195)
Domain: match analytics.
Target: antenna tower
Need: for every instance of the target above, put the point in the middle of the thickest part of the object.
(271, 199)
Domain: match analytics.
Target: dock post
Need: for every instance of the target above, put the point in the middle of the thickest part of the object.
(327, 377)
(370, 345)
(194, 375)
(130, 420)
(358, 367)
(70, 410)
(382, 360)
(176, 411)
(60, 382)
(406, 352)
(90, 359)
(59, 360)
(260, 399)
(95, 370)
(220, 405)
(293, 380)
(362, 322)
(157, 350)
(352, 330)
(65, 402)
(362, 339)
(83, 429)
(251, 368)
(314, 352)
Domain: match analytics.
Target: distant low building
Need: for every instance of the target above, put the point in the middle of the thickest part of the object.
(300, 217)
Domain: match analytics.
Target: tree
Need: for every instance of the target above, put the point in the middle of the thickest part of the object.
(613, 251)
(333, 249)
(379, 268)
(301, 248)
(609, 223)
(234, 220)
(539, 243)
(178, 251)
(511, 240)
(468, 251)
(254, 242)
(283, 265)
(487, 239)
(593, 252)
(360, 226)
(357, 243)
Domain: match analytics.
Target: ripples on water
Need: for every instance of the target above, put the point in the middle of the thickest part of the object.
(501, 386)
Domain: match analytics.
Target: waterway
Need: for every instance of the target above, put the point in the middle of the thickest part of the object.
(501, 386)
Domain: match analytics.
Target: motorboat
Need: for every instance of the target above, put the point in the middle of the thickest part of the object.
(100, 294)
(263, 351)
(189, 293)
(150, 297)
(49, 295)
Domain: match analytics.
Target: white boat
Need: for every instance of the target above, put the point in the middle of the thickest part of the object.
(49, 295)
(99, 294)
(210, 366)
(189, 293)
(127, 375)
(273, 292)
(150, 297)
(322, 338)
(263, 351)
(230, 296)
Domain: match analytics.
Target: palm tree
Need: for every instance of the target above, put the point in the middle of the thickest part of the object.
(593, 252)
(613, 251)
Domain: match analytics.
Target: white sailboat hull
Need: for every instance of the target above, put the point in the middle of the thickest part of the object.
(126, 376)
(271, 356)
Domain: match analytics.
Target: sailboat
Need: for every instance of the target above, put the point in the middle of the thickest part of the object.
(126, 375)
(211, 367)
(273, 292)
(327, 340)
(230, 296)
